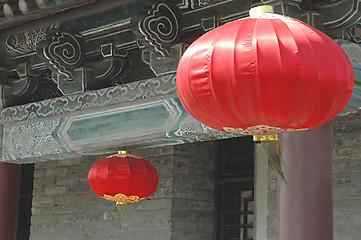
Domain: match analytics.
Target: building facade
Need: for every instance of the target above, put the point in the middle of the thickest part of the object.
(83, 79)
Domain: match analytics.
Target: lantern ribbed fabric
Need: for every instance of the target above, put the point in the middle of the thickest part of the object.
(263, 75)
(123, 178)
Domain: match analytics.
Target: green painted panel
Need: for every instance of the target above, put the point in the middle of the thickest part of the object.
(135, 121)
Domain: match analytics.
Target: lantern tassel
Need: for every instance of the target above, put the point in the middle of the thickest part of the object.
(271, 146)
(122, 209)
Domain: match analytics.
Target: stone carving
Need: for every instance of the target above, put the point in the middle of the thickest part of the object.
(184, 4)
(209, 23)
(160, 28)
(204, 2)
(355, 32)
(27, 82)
(341, 13)
(23, 87)
(163, 65)
(64, 52)
(65, 57)
(72, 72)
(196, 4)
(32, 140)
(154, 87)
(103, 73)
(26, 42)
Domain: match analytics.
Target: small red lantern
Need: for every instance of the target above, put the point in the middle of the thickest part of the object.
(123, 178)
(264, 74)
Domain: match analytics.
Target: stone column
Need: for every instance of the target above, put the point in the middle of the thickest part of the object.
(9, 198)
(305, 202)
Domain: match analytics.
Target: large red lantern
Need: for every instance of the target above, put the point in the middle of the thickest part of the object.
(123, 178)
(264, 74)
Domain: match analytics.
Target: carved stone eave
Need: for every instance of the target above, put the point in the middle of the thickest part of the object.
(119, 42)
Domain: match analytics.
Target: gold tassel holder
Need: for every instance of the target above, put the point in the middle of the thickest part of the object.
(271, 146)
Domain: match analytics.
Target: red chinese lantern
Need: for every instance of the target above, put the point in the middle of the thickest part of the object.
(264, 74)
(123, 178)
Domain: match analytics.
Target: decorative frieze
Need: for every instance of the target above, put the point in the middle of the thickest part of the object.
(97, 99)
(139, 114)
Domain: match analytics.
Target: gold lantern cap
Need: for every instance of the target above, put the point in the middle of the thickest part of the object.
(260, 9)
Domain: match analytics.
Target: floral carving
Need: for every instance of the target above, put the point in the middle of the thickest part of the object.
(32, 140)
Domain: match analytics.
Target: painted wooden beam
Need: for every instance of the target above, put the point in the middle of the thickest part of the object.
(140, 114)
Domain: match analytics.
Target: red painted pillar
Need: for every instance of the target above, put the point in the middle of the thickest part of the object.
(305, 204)
(9, 198)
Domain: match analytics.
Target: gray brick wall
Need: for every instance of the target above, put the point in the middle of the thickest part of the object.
(272, 205)
(65, 208)
(347, 178)
(346, 181)
(193, 192)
